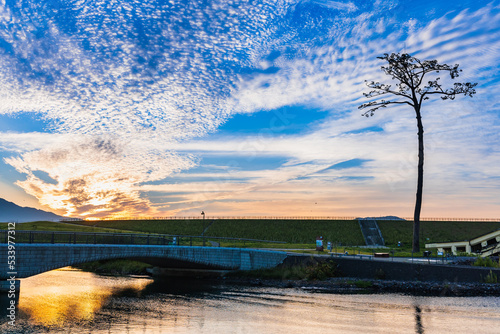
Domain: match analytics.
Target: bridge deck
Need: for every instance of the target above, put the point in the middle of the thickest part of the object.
(32, 259)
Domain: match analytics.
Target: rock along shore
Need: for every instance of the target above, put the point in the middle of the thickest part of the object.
(366, 276)
(347, 285)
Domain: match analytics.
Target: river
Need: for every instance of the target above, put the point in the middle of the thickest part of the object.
(72, 301)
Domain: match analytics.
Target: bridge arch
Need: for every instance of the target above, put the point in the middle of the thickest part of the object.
(33, 259)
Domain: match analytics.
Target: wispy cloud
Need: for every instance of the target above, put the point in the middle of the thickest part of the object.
(156, 70)
(95, 176)
(128, 77)
(134, 90)
(342, 6)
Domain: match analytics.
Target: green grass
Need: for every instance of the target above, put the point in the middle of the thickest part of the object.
(299, 234)
(435, 231)
(179, 227)
(61, 227)
(486, 262)
(491, 278)
(362, 284)
(291, 231)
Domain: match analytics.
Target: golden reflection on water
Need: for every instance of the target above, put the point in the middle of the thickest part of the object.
(49, 301)
(78, 302)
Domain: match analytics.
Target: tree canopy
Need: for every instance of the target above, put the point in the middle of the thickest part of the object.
(410, 72)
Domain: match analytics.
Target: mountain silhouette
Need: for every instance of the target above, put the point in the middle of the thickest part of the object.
(10, 212)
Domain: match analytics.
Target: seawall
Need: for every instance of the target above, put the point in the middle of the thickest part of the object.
(399, 271)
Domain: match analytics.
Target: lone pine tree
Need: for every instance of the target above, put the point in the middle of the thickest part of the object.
(408, 74)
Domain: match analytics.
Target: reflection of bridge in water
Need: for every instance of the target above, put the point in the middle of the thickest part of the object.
(37, 252)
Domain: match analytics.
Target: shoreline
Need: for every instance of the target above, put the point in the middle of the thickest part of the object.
(345, 285)
(308, 274)
(354, 285)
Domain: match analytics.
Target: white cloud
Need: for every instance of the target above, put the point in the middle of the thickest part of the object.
(22, 142)
(133, 78)
(342, 6)
(461, 163)
(168, 80)
(123, 104)
(96, 176)
(460, 137)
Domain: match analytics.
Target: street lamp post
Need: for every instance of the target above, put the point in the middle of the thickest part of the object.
(203, 231)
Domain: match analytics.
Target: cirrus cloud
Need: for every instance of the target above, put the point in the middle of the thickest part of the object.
(133, 92)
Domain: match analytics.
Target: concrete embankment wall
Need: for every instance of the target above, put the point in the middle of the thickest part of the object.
(400, 271)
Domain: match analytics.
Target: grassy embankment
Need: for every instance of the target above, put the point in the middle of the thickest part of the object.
(296, 233)
(301, 234)
(432, 231)
(60, 227)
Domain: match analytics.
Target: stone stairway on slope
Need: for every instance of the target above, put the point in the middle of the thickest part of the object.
(371, 232)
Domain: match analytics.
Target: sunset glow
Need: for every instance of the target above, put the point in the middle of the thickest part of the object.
(137, 108)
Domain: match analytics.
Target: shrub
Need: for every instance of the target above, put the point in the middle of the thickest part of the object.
(322, 271)
(491, 278)
(485, 262)
(363, 284)
(380, 274)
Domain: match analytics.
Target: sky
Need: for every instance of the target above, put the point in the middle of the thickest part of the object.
(243, 108)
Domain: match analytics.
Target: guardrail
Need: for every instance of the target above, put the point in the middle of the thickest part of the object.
(207, 218)
(55, 237)
(280, 218)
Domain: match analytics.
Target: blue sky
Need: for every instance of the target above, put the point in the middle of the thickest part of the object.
(160, 108)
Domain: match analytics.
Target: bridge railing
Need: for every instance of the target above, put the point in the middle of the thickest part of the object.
(56, 237)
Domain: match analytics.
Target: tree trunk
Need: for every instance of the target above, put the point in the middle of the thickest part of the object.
(420, 183)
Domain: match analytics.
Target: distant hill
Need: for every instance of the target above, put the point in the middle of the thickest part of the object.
(10, 212)
(384, 218)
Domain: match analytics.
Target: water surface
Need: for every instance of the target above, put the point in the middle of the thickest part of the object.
(71, 301)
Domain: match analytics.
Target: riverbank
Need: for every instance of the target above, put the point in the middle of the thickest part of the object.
(405, 271)
(320, 275)
(347, 275)
(352, 285)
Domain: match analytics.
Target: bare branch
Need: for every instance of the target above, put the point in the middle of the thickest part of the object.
(466, 89)
(382, 89)
(377, 105)
(410, 73)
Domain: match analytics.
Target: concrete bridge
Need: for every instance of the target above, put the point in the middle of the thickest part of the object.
(27, 253)
(32, 259)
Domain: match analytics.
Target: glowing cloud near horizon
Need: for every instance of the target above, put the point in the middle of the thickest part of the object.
(126, 86)
(95, 177)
